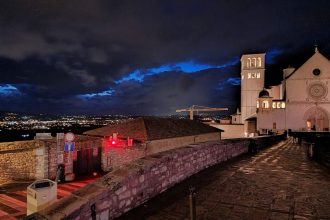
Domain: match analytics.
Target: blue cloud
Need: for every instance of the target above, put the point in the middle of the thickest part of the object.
(9, 90)
(108, 92)
(272, 53)
(134, 76)
(185, 67)
(235, 81)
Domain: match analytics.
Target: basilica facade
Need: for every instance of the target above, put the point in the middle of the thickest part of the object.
(301, 102)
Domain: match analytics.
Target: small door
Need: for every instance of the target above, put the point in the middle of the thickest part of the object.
(88, 161)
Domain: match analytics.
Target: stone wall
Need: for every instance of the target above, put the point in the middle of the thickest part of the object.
(118, 156)
(20, 160)
(157, 146)
(318, 148)
(230, 130)
(129, 186)
(113, 157)
(54, 154)
(37, 159)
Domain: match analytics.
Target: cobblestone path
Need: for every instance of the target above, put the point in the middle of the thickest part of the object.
(277, 183)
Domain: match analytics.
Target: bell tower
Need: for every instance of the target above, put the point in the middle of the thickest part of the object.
(252, 82)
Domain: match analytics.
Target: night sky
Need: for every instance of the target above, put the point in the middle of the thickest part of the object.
(147, 57)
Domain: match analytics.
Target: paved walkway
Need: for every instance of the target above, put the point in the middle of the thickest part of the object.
(277, 183)
(13, 197)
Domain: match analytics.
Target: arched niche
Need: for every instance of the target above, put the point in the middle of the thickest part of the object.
(316, 119)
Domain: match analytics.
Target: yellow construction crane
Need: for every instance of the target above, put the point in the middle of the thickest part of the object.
(197, 108)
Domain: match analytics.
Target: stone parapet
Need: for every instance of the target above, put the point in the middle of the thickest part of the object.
(128, 186)
(19, 145)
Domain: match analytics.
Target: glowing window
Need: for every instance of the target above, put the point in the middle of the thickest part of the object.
(248, 63)
(258, 75)
(259, 62)
(249, 75)
(274, 104)
(283, 105)
(254, 62)
(278, 105)
(257, 104)
(242, 76)
(265, 104)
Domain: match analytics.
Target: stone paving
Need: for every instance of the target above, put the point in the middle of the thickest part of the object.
(277, 183)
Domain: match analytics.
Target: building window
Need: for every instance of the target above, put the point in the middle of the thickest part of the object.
(274, 125)
(259, 62)
(283, 105)
(242, 76)
(248, 63)
(278, 105)
(257, 104)
(265, 104)
(254, 62)
(274, 104)
(253, 75)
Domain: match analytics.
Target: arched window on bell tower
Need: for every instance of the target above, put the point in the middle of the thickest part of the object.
(259, 61)
(254, 62)
(248, 63)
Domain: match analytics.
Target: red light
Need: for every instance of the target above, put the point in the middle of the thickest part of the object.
(113, 142)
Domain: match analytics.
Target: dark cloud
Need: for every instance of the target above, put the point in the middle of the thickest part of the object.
(65, 50)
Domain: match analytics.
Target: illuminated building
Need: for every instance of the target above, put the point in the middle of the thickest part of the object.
(252, 81)
(301, 102)
(158, 134)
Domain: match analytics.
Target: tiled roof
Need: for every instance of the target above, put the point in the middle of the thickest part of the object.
(154, 128)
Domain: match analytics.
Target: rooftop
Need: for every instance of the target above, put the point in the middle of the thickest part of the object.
(154, 128)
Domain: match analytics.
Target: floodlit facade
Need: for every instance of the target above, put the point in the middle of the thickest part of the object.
(252, 82)
(301, 102)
